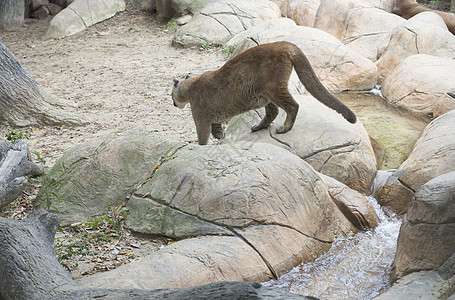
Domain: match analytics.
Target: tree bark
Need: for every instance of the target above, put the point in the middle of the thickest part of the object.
(29, 270)
(23, 102)
(12, 13)
(14, 165)
(452, 6)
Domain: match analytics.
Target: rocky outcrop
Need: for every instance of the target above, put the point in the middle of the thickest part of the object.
(109, 168)
(338, 67)
(426, 235)
(82, 14)
(420, 84)
(363, 26)
(217, 23)
(424, 33)
(433, 155)
(321, 137)
(239, 207)
(303, 12)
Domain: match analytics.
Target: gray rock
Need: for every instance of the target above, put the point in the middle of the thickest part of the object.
(426, 235)
(81, 14)
(144, 4)
(15, 167)
(217, 23)
(426, 285)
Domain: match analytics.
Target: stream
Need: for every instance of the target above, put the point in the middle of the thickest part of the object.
(359, 266)
(355, 267)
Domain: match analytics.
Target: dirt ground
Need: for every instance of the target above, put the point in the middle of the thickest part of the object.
(119, 74)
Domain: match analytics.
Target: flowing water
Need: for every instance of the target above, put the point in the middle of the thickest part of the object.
(358, 266)
(355, 267)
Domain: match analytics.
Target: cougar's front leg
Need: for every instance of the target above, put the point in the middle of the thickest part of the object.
(217, 131)
(203, 131)
(271, 111)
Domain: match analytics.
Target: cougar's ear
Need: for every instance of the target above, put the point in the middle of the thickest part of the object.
(176, 82)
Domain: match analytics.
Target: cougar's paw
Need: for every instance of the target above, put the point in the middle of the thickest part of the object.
(218, 134)
(218, 131)
(281, 130)
(256, 127)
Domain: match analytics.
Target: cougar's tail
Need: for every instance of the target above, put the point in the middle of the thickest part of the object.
(311, 82)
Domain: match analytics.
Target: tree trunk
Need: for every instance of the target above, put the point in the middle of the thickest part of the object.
(11, 13)
(29, 270)
(14, 165)
(23, 102)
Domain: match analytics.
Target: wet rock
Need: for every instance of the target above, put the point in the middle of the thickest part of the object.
(432, 156)
(338, 67)
(81, 14)
(321, 137)
(363, 26)
(217, 23)
(420, 84)
(425, 33)
(303, 12)
(426, 235)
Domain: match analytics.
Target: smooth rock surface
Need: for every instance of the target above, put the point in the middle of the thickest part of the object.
(82, 14)
(432, 155)
(425, 33)
(217, 23)
(321, 137)
(420, 84)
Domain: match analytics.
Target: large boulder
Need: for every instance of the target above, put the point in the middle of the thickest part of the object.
(107, 170)
(362, 25)
(82, 14)
(427, 234)
(245, 211)
(338, 67)
(303, 12)
(321, 137)
(420, 84)
(425, 33)
(432, 156)
(217, 23)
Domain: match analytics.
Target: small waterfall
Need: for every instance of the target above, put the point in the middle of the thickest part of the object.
(356, 267)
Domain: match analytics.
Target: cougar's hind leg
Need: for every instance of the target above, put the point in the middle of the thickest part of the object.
(217, 131)
(285, 100)
(203, 132)
(271, 111)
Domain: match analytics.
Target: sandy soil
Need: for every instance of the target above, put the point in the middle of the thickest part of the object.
(119, 74)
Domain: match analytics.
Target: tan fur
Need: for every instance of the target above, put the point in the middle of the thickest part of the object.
(256, 78)
(409, 8)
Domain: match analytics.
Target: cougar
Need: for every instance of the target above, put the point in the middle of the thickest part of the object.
(255, 78)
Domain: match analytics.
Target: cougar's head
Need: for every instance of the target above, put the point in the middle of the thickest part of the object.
(179, 100)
